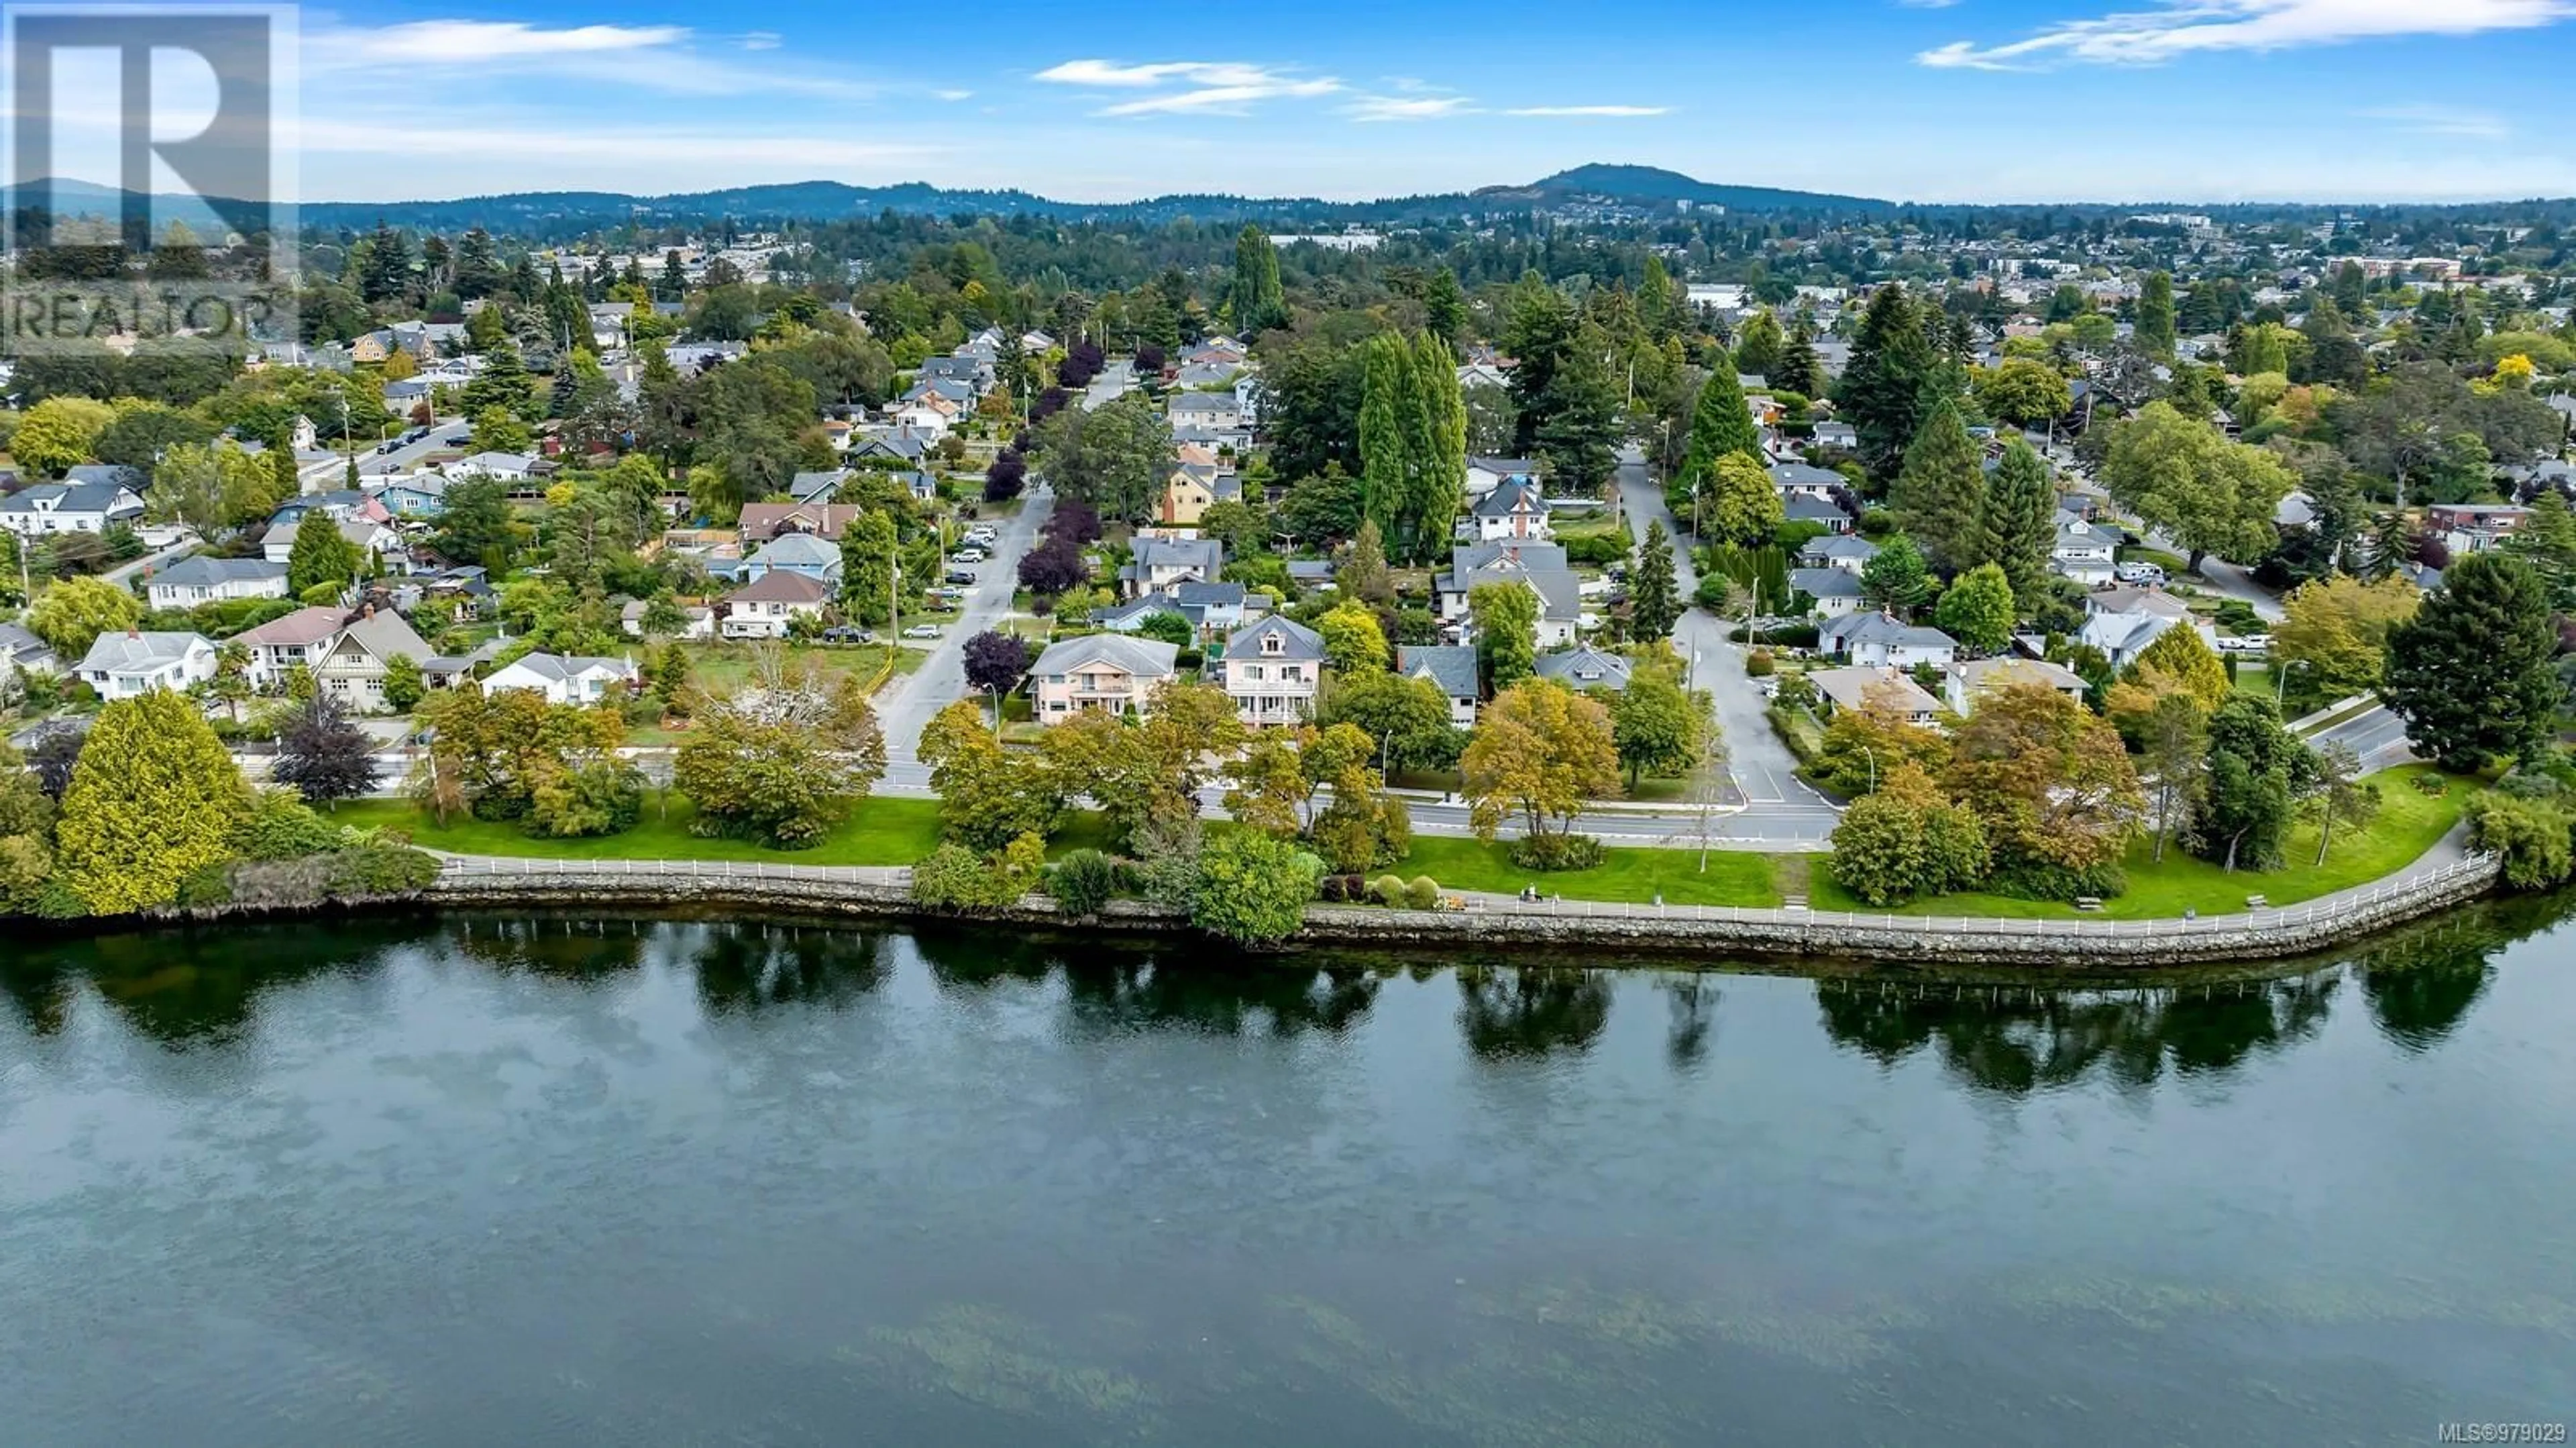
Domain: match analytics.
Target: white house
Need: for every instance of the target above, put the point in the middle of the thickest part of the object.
(1451, 668)
(565, 680)
(507, 466)
(2123, 621)
(1513, 509)
(1872, 640)
(278, 646)
(1539, 566)
(378, 541)
(1860, 687)
(1962, 683)
(353, 668)
(192, 581)
(1837, 591)
(1113, 672)
(122, 665)
(69, 508)
(764, 608)
(1271, 670)
(1486, 474)
(1219, 411)
(2082, 552)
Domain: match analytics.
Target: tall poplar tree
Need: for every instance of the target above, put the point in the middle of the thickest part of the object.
(1440, 470)
(1258, 302)
(2155, 327)
(1940, 494)
(1386, 386)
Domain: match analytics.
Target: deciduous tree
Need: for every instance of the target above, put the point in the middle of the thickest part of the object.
(1978, 610)
(323, 754)
(785, 758)
(2180, 474)
(1540, 752)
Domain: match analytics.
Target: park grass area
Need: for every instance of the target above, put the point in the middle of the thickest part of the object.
(1633, 875)
(720, 668)
(2410, 822)
(883, 830)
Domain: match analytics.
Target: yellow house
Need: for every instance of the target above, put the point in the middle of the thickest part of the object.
(1185, 500)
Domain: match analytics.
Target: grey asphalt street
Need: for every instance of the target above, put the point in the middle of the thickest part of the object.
(2378, 736)
(941, 679)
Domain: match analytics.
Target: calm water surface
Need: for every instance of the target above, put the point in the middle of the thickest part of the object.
(496, 1180)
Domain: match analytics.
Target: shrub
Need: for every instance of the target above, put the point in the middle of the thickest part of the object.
(2432, 786)
(2035, 880)
(954, 877)
(2536, 837)
(1759, 664)
(1083, 882)
(1556, 852)
(381, 869)
(1787, 636)
(282, 827)
(1252, 889)
(605, 798)
(1422, 894)
(1387, 890)
(1597, 550)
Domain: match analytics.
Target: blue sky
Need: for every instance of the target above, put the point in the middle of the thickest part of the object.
(1968, 100)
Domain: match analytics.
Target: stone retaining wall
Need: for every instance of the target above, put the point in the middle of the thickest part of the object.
(1895, 939)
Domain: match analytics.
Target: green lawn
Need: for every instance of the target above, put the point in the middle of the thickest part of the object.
(883, 831)
(719, 668)
(2409, 823)
(1733, 877)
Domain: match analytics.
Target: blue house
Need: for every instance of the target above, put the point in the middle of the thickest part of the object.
(799, 553)
(423, 495)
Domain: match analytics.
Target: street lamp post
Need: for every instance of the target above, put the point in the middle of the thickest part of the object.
(2281, 679)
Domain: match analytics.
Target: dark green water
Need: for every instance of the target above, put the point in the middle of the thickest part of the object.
(494, 1181)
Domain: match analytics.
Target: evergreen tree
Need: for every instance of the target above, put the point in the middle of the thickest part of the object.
(2155, 326)
(1257, 301)
(322, 554)
(1654, 601)
(1385, 448)
(1801, 370)
(1759, 345)
(1440, 469)
(2020, 532)
(1737, 503)
(1896, 579)
(2470, 673)
(1720, 424)
(153, 799)
(1578, 433)
(1940, 495)
(1881, 391)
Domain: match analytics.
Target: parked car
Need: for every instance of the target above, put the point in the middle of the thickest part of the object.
(848, 633)
(967, 557)
(922, 631)
(2259, 643)
(961, 575)
(2139, 573)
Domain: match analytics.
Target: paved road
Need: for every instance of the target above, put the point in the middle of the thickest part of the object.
(447, 435)
(150, 562)
(1117, 377)
(2378, 736)
(1777, 805)
(941, 679)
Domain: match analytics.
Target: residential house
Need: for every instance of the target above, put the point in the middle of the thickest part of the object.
(1837, 436)
(465, 591)
(202, 579)
(795, 553)
(70, 508)
(905, 445)
(1836, 591)
(1161, 562)
(1108, 671)
(2084, 552)
(281, 645)
(1216, 411)
(1486, 474)
(1823, 512)
(122, 665)
(1272, 670)
(353, 667)
(507, 466)
(1872, 640)
(2122, 621)
(115, 475)
(2467, 528)
(766, 607)
(22, 652)
(1864, 686)
(1540, 566)
(1187, 495)
(929, 415)
(1584, 667)
(1800, 480)
(808, 488)
(565, 680)
(1845, 551)
(421, 495)
(1482, 374)
(371, 538)
(1452, 670)
(701, 620)
(1963, 682)
(1513, 509)
(1210, 609)
(763, 521)
(975, 372)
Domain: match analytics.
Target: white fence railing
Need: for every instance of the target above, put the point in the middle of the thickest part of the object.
(524, 867)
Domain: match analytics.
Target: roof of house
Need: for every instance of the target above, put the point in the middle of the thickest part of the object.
(114, 475)
(138, 652)
(1206, 402)
(1450, 667)
(201, 571)
(18, 643)
(779, 585)
(1505, 467)
(1851, 688)
(1296, 641)
(560, 668)
(1192, 593)
(1140, 657)
(497, 462)
(386, 635)
(1823, 583)
(1804, 509)
(1839, 545)
(1510, 496)
(797, 550)
(2082, 538)
(1978, 674)
(1583, 667)
(1789, 475)
(2124, 598)
(1878, 628)
(302, 627)
(808, 487)
(764, 521)
(1204, 555)
(101, 498)
(1541, 565)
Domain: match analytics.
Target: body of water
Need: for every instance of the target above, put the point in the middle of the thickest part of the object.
(538, 1180)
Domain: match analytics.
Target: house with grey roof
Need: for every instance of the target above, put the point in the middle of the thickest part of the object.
(794, 553)
(2122, 621)
(1514, 509)
(1161, 563)
(1865, 686)
(1584, 667)
(1217, 411)
(201, 579)
(1874, 639)
(2084, 551)
(22, 652)
(1271, 670)
(1845, 551)
(1802, 480)
(1823, 512)
(1451, 668)
(565, 679)
(1836, 591)
(85, 507)
(122, 665)
(1486, 474)
(1539, 566)
(1106, 671)
(353, 668)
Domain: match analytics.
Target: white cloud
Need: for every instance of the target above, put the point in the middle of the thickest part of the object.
(1589, 111)
(954, 95)
(2185, 27)
(1220, 87)
(1927, 4)
(463, 42)
(2443, 121)
(1408, 108)
(761, 40)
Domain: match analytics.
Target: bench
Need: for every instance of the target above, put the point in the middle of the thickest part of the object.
(2088, 902)
(2258, 902)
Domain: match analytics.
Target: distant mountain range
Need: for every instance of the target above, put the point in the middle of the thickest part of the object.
(559, 212)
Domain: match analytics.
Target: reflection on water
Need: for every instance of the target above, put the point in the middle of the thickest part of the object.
(549, 1178)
